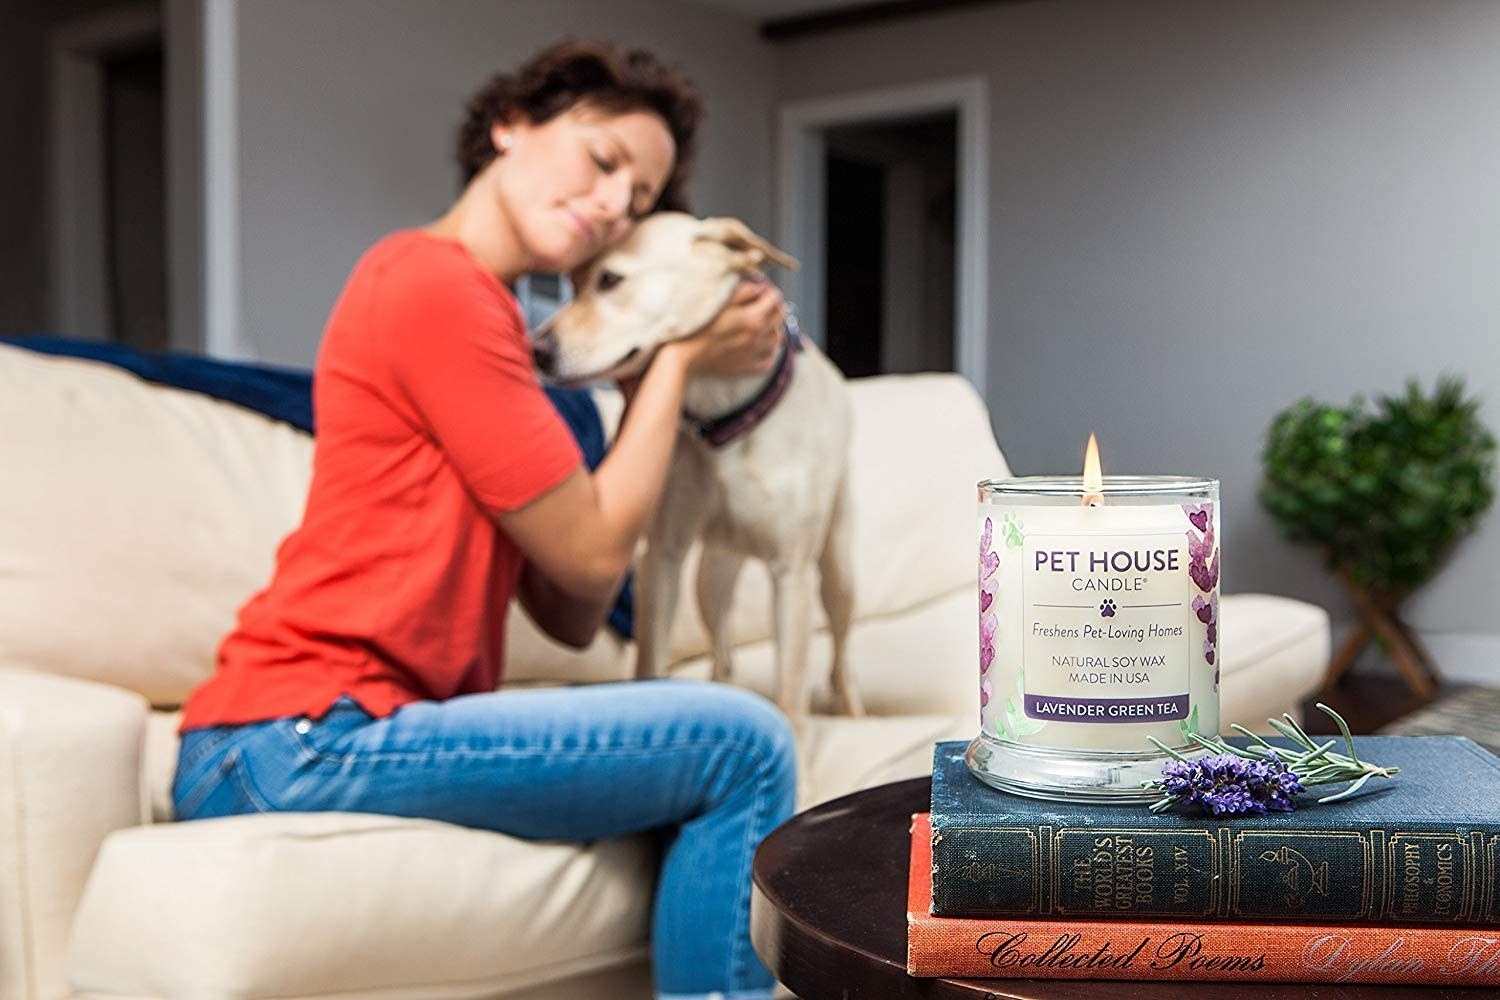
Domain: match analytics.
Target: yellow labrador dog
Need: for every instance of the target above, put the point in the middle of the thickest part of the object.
(761, 465)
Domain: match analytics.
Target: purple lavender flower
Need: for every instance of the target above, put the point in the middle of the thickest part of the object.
(1229, 785)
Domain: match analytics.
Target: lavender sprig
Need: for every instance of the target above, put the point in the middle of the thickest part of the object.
(1261, 778)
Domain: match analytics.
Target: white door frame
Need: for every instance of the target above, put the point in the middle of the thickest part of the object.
(221, 184)
(801, 176)
(79, 297)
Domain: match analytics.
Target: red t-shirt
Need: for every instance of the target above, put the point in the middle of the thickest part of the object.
(429, 422)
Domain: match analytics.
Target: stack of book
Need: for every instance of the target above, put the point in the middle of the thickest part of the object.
(1394, 885)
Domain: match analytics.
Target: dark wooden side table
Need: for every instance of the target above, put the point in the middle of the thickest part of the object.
(828, 918)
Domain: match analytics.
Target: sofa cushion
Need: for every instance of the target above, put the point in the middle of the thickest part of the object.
(69, 774)
(1274, 651)
(1257, 627)
(159, 763)
(424, 909)
(134, 522)
(306, 904)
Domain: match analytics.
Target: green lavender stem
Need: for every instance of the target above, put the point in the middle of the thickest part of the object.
(1314, 763)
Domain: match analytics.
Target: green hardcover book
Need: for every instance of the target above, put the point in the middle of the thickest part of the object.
(1422, 847)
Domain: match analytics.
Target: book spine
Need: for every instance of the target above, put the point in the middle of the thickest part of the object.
(1319, 953)
(1203, 951)
(1399, 874)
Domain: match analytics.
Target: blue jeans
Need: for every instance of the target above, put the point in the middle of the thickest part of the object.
(712, 765)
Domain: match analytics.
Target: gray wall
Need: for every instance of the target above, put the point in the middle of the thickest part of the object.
(1203, 211)
(348, 108)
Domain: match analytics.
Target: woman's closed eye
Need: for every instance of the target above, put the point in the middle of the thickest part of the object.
(605, 163)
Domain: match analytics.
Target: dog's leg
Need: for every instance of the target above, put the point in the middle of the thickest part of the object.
(678, 519)
(717, 574)
(836, 567)
(794, 589)
(657, 583)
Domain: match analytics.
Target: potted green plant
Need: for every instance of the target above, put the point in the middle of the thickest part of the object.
(1385, 492)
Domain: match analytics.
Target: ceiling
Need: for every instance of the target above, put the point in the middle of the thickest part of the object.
(770, 10)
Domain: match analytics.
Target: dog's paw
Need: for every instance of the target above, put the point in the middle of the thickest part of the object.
(846, 701)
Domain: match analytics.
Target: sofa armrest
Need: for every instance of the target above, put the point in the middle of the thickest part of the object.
(70, 772)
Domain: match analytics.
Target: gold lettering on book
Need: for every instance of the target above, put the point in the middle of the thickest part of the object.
(1129, 870)
(1411, 878)
(1119, 872)
(1431, 876)
(1443, 901)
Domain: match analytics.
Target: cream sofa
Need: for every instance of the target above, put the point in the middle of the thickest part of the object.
(135, 519)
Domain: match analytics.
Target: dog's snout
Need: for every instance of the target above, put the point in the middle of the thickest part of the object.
(544, 351)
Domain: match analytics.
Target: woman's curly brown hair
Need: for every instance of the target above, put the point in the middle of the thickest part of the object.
(606, 77)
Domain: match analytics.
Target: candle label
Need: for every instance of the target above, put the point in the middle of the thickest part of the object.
(1106, 636)
(1098, 627)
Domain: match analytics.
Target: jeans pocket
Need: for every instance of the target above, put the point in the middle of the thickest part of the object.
(189, 792)
(196, 744)
(245, 784)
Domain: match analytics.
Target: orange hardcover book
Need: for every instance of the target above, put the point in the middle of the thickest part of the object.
(1040, 948)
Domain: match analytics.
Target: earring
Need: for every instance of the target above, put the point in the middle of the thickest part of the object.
(506, 141)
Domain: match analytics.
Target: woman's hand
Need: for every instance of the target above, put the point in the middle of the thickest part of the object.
(743, 339)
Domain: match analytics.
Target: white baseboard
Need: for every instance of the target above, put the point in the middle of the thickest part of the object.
(1461, 657)
(1465, 657)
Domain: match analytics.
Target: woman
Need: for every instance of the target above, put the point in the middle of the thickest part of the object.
(363, 678)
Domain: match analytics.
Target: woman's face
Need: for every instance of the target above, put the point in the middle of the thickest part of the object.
(573, 185)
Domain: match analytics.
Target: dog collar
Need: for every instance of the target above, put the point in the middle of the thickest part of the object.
(719, 431)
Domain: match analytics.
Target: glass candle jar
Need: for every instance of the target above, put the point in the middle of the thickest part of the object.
(1098, 627)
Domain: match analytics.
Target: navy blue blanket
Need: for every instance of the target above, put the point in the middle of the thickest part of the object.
(285, 394)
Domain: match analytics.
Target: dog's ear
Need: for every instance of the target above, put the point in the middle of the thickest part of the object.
(749, 250)
(579, 276)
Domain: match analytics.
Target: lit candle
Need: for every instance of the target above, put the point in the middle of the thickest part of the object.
(1098, 627)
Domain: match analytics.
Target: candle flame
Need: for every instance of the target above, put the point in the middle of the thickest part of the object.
(1093, 476)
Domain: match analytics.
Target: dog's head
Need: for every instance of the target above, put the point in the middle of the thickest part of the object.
(665, 281)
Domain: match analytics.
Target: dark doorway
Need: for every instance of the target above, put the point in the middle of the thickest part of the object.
(856, 235)
(891, 277)
(135, 196)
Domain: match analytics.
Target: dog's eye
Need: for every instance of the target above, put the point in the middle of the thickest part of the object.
(608, 280)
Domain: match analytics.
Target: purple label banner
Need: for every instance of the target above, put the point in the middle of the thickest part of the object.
(1161, 708)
